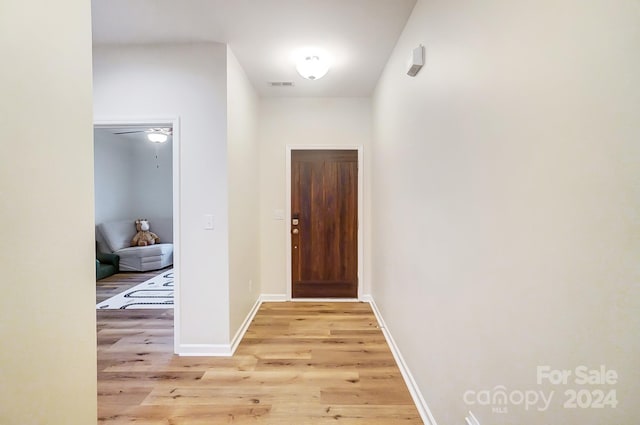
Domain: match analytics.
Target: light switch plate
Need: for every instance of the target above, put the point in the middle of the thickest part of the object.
(208, 222)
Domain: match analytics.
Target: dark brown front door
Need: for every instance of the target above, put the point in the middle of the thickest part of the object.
(324, 224)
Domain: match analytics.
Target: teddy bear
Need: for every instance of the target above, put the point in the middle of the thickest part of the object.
(144, 237)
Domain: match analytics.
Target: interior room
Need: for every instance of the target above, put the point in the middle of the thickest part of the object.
(133, 179)
(497, 219)
(132, 175)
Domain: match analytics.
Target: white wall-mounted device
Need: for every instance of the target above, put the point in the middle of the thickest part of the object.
(416, 61)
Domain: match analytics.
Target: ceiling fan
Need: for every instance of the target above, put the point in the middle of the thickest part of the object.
(163, 130)
(156, 135)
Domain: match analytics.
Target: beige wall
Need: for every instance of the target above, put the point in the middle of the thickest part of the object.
(302, 121)
(514, 157)
(242, 151)
(47, 309)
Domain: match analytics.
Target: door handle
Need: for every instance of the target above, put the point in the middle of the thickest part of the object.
(295, 231)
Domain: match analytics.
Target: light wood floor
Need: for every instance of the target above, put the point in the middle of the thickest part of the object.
(299, 363)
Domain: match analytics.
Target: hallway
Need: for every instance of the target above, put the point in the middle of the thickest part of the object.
(299, 363)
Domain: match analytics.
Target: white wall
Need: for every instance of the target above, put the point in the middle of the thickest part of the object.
(514, 160)
(189, 82)
(113, 176)
(244, 258)
(48, 354)
(303, 121)
(151, 185)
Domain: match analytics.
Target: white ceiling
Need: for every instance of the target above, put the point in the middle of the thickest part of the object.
(358, 35)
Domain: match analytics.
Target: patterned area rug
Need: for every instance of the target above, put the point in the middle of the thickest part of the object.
(156, 292)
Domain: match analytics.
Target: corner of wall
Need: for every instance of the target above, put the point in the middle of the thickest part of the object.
(243, 195)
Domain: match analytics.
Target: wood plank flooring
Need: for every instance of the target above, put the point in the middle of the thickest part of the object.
(299, 363)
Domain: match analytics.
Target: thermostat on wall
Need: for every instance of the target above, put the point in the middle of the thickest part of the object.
(416, 61)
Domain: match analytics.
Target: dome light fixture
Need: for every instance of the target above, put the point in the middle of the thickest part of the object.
(312, 67)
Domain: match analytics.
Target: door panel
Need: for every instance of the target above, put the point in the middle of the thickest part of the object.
(324, 242)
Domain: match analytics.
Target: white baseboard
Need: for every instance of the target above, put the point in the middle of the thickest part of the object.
(204, 350)
(418, 399)
(245, 325)
(221, 350)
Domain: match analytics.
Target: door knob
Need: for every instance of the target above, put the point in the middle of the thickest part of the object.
(295, 231)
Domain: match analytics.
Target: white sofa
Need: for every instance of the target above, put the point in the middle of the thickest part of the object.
(115, 237)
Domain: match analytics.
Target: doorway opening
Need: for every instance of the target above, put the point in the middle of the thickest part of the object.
(136, 170)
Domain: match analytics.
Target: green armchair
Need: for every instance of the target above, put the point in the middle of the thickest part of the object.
(106, 265)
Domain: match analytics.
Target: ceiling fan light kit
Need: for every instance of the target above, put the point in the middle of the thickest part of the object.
(157, 137)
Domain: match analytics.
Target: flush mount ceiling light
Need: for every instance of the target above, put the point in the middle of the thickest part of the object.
(312, 67)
